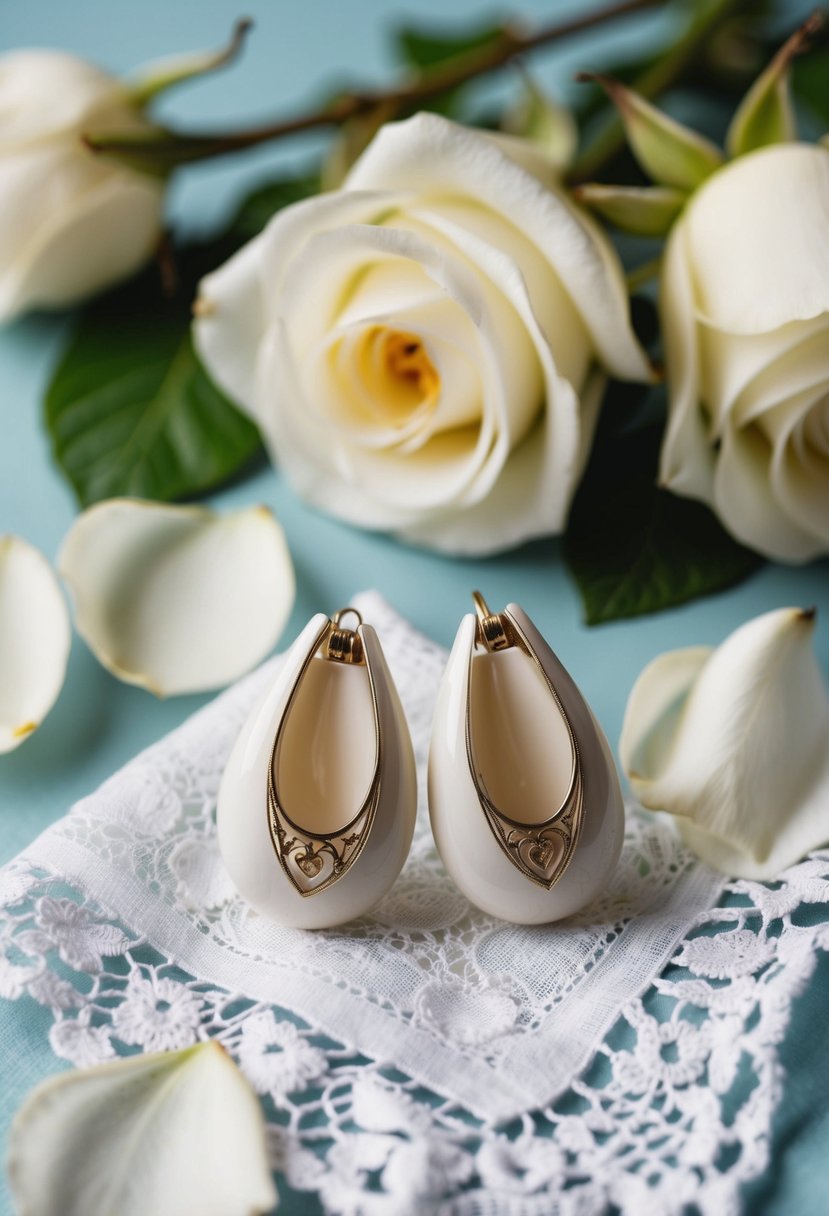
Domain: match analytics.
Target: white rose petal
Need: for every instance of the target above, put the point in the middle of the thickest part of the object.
(735, 743)
(425, 350)
(745, 311)
(35, 638)
(177, 599)
(153, 1135)
(72, 222)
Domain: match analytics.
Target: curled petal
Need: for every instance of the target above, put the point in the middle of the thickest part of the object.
(34, 640)
(686, 462)
(229, 322)
(177, 599)
(70, 227)
(753, 492)
(425, 349)
(759, 267)
(735, 743)
(152, 1135)
(30, 83)
(429, 155)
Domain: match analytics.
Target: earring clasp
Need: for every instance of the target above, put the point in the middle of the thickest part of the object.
(345, 645)
(493, 629)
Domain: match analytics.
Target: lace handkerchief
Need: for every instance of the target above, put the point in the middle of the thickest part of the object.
(425, 1055)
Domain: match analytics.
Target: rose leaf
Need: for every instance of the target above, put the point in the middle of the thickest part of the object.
(425, 49)
(131, 412)
(263, 203)
(634, 548)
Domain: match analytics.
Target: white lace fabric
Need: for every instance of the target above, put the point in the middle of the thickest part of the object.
(428, 1057)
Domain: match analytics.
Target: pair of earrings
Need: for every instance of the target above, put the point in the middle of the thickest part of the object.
(317, 804)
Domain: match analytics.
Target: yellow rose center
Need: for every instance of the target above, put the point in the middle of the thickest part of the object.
(407, 360)
(396, 369)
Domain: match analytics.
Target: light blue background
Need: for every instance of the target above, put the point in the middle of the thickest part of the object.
(294, 51)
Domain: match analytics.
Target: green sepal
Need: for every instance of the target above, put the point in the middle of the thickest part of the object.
(145, 151)
(155, 78)
(641, 210)
(548, 125)
(766, 114)
(669, 152)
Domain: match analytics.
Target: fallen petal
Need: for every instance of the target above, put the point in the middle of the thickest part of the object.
(151, 1135)
(35, 637)
(735, 743)
(177, 599)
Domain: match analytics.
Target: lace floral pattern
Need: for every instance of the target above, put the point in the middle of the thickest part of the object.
(429, 1058)
(646, 1126)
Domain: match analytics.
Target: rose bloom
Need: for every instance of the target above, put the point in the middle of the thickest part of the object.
(745, 313)
(71, 222)
(425, 350)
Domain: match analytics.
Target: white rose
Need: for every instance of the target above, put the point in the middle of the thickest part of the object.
(745, 304)
(425, 350)
(71, 222)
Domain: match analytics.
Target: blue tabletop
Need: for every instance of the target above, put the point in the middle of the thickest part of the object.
(98, 723)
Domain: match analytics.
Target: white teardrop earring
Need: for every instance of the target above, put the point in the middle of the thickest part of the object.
(317, 803)
(524, 797)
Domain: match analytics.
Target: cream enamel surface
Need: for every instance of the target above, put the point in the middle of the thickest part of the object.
(464, 839)
(520, 741)
(327, 753)
(242, 816)
(35, 638)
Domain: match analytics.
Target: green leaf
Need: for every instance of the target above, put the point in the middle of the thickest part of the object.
(263, 203)
(424, 49)
(634, 548)
(427, 53)
(130, 410)
(809, 77)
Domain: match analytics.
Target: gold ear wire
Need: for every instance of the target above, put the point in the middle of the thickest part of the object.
(345, 645)
(493, 630)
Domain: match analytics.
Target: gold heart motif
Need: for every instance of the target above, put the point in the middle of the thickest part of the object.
(541, 853)
(310, 864)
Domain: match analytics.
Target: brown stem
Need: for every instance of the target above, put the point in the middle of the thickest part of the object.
(173, 148)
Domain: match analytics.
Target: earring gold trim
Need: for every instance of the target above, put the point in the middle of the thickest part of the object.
(540, 851)
(317, 803)
(304, 854)
(524, 797)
